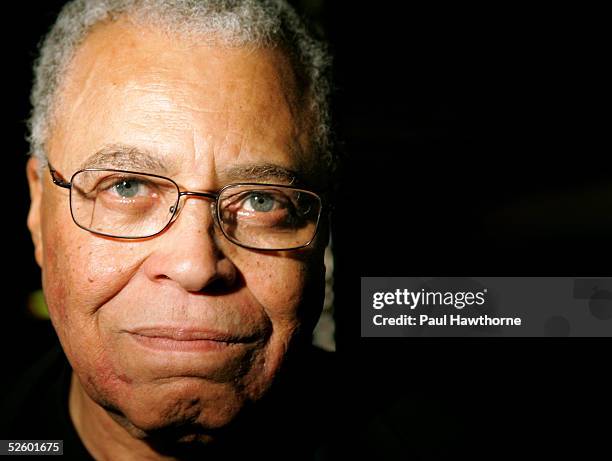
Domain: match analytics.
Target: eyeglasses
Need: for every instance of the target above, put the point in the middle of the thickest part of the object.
(133, 205)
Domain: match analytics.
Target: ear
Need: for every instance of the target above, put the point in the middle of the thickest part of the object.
(35, 184)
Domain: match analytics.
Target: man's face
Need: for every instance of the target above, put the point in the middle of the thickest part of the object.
(202, 111)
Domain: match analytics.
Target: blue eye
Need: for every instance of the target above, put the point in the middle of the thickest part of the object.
(261, 202)
(127, 188)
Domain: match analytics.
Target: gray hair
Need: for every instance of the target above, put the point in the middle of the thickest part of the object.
(264, 23)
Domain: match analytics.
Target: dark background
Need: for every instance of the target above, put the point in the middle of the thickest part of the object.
(475, 140)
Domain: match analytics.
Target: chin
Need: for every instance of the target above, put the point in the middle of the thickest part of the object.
(180, 408)
(197, 406)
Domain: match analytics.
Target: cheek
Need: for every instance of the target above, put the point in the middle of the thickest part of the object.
(75, 284)
(58, 283)
(289, 289)
(80, 273)
(54, 287)
(100, 379)
(278, 284)
(86, 270)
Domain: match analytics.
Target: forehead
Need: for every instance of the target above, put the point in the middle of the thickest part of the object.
(195, 106)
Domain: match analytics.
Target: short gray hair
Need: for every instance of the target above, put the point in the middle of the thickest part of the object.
(264, 23)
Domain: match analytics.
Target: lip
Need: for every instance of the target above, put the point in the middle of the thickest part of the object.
(185, 339)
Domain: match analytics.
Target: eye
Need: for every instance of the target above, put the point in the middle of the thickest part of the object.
(260, 202)
(127, 188)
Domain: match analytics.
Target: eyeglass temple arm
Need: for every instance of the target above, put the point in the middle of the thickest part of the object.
(57, 178)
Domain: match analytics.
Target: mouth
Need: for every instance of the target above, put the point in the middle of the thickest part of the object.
(186, 339)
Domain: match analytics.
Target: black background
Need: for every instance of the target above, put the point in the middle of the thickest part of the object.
(475, 143)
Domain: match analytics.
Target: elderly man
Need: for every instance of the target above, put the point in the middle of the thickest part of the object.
(179, 159)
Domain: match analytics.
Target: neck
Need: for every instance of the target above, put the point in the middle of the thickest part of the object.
(102, 435)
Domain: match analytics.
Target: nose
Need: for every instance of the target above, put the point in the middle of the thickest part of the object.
(188, 252)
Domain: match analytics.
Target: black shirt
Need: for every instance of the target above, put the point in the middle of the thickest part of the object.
(37, 408)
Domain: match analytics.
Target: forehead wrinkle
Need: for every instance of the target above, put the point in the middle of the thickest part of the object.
(172, 95)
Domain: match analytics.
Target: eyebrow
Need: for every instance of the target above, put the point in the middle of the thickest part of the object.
(259, 172)
(133, 158)
(121, 156)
